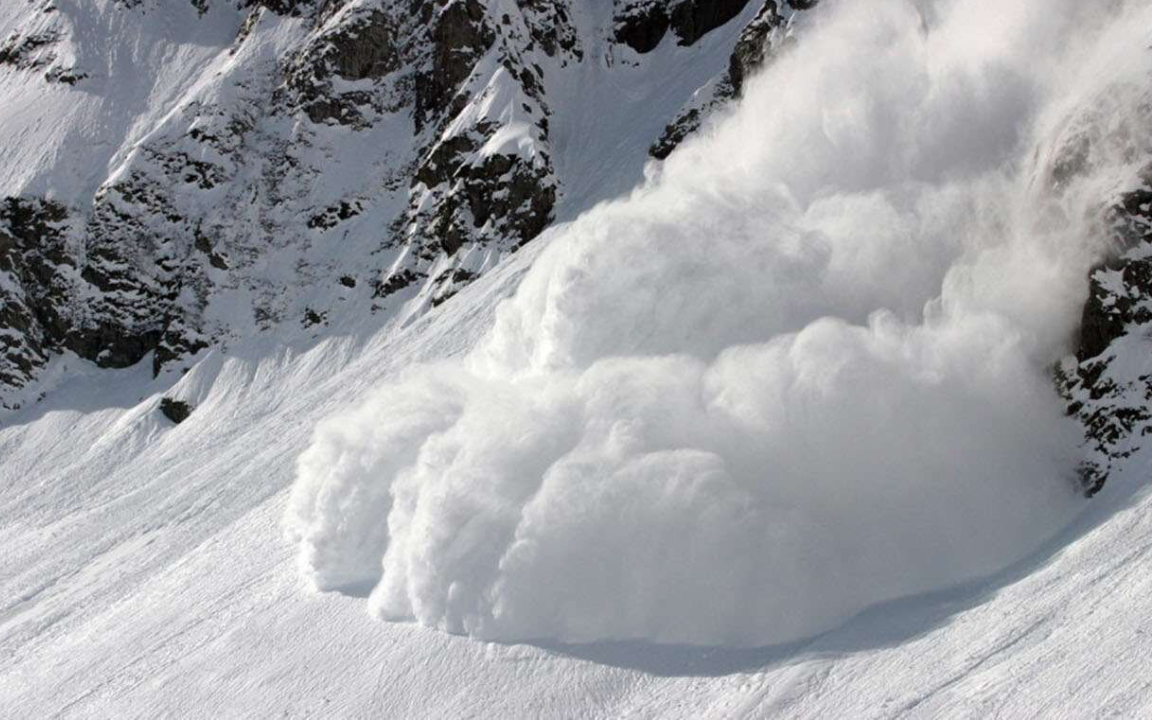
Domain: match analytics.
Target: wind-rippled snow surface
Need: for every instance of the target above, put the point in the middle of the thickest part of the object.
(804, 369)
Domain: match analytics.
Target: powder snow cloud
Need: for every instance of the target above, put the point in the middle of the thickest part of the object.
(805, 368)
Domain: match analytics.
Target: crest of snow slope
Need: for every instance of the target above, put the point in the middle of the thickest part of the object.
(804, 369)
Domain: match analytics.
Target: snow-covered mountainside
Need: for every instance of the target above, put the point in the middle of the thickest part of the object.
(575, 358)
(179, 175)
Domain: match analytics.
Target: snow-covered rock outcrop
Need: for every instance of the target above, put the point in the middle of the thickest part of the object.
(204, 171)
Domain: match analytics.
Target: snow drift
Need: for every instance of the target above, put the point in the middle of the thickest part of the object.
(804, 369)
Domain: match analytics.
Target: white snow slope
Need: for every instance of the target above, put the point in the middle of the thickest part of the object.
(145, 570)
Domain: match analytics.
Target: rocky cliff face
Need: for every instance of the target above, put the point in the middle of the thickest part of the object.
(333, 158)
(1108, 383)
(37, 282)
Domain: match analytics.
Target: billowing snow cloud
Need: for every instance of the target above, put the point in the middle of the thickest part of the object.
(804, 369)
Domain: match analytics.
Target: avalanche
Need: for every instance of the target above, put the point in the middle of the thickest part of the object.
(774, 434)
(804, 369)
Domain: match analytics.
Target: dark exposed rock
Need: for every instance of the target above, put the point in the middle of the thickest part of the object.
(517, 197)
(366, 50)
(133, 264)
(283, 7)
(332, 216)
(363, 48)
(35, 51)
(642, 24)
(1120, 289)
(29, 52)
(760, 40)
(175, 410)
(459, 37)
(751, 49)
(1108, 314)
(445, 160)
(204, 245)
(450, 283)
(1131, 218)
(65, 76)
(550, 27)
(693, 19)
(186, 168)
(505, 196)
(461, 193)
(1113, 407)
(178, 341)
(311, 317)
(676, 132)
(395, 282)
(367, 45)
(36, 270)
(245, 29)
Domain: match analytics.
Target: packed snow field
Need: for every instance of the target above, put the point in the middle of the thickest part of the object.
(775, 434)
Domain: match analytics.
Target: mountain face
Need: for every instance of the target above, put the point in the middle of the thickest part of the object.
(685, 358)
(178, 176)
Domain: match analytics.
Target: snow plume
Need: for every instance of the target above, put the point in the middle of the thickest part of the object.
(804, 369)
